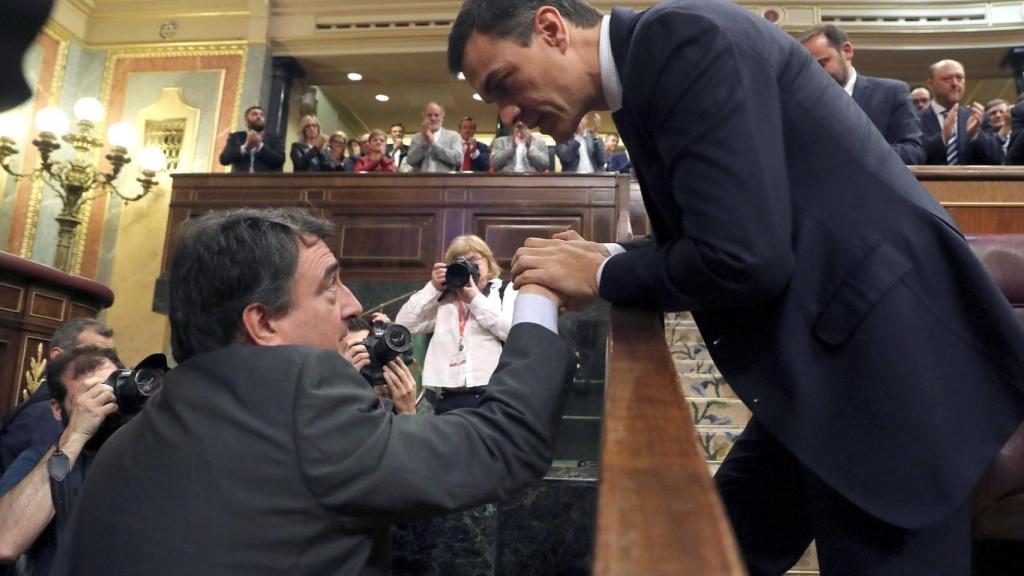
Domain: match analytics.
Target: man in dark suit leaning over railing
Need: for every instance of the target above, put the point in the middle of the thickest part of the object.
(837, 297)
(267, 453)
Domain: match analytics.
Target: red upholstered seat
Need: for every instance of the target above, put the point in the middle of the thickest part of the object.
(999, 500)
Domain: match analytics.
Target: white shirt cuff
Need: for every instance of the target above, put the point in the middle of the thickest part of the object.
(536, 309)
(613, 249)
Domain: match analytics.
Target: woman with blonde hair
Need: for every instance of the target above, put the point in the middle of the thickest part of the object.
(336, 152)
(469, 322)
(374, 159)
(310, 153)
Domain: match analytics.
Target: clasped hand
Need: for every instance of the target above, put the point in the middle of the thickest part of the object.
(566, 265)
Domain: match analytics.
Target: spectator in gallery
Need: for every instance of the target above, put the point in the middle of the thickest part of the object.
(310, 153)
(469, 324)
(375, 159)
(336, 147)
(476, 156)
(521, 152)
(583, 154)
(920, 98)
(997, 112)
(885, 101)
(1015, 150)
(434, 148)
(616, 160)
(398, 149)
(952, 128)
(253, 149)
(359, 148)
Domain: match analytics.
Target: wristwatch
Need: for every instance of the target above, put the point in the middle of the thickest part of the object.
(58, 465)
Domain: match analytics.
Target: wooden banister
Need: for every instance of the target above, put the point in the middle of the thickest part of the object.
(658, 509)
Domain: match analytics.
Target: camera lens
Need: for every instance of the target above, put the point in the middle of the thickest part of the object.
(398, 337)
(148, 382)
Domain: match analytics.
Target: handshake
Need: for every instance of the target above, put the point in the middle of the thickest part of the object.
(562, 269)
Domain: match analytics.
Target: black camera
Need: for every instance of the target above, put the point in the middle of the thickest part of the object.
(384, 343)
(133, 387)
(458, 273)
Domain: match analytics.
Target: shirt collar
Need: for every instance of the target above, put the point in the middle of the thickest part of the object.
(850, 83)
(610, 81)
(938, 108)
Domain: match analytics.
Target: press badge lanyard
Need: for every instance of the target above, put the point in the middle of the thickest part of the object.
(462, 324)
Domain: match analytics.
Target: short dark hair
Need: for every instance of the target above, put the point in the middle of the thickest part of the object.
(468, 119)
(251, 108)
(357, 323)
(66, 335)
(835, 35)
(503, 19)
(73, 364)
(225, 261)
(399, 124)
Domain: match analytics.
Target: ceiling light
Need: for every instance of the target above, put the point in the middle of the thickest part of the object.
(460, 76)
(355, 76)
(477, 97)
(382, 97)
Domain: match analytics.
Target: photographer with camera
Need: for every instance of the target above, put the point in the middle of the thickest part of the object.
(388, 373)
(81, 402)
(468, 308)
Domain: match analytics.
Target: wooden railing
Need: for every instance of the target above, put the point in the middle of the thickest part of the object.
(658, 509)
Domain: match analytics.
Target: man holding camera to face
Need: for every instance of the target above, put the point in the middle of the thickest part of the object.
(468, 309)
(82, 402)
(266, 452)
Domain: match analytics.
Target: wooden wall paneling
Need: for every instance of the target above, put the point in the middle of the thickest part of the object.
(8, 366)
(378, 246)
(46, 307)
(12, 298)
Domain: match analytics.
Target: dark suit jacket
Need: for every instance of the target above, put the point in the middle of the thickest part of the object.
(309, 159)
(1015, 152)
(280, 461)
(270, 158)
(481, 163)
(887, 103)
(569, 153)
(619, 162)
(390, 151)
(835, 294)
(29, 424)
(983, 150)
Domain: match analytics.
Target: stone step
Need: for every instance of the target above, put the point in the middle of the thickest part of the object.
(690, 351)
(719, 412)
(688, 366)
(716, 441)
(705, 386)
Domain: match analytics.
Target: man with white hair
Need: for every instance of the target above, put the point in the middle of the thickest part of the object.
(435, 149)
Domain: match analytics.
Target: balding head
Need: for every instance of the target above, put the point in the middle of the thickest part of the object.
(433, 114)
(947, 80)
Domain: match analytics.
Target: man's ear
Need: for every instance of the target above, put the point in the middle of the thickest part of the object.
(260, 326)
(848, 52)
(55, 408)
(549, 26)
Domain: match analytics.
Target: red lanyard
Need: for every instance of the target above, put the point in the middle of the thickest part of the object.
(462, 320)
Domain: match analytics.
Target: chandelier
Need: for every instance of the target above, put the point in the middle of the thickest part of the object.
(75, 178)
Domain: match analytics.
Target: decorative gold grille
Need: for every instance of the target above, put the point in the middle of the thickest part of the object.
(168, 135)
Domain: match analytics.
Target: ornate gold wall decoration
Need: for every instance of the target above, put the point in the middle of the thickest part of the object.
(34, 374)
(122, 53)
(28, 238)
(168, 135)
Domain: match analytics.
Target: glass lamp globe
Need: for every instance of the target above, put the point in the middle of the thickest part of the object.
(122, 134)
(13, 125)
(152, 159)
(89, 109)
(52, 120)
